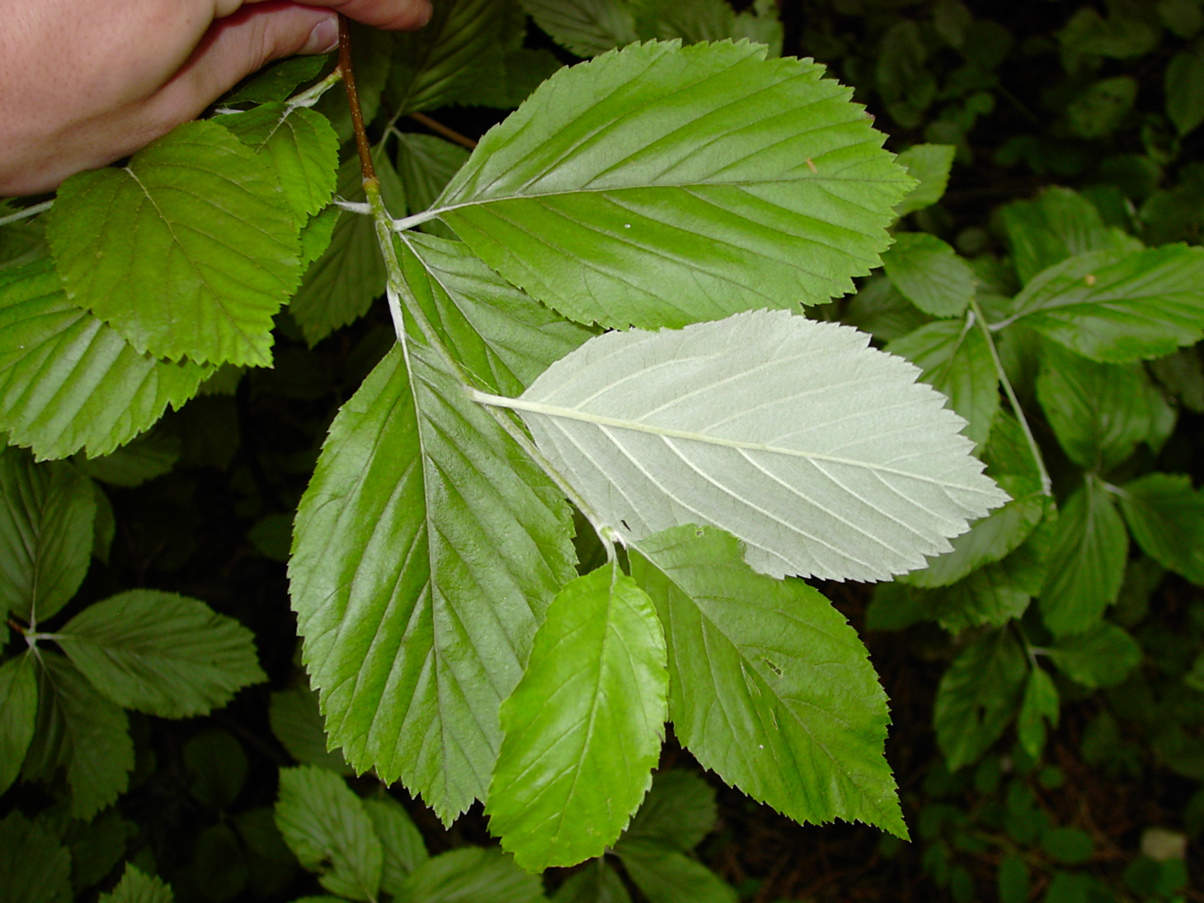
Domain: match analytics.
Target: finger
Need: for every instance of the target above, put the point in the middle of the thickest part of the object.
(394, 15)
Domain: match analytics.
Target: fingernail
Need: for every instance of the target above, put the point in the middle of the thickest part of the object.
(324, 38)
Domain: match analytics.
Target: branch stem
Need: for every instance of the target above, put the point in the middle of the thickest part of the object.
(440, 129)
(353, 101)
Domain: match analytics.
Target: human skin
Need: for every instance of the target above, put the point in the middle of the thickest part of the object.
(87, 82)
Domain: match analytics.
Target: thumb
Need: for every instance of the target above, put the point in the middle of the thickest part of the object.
(239, 45)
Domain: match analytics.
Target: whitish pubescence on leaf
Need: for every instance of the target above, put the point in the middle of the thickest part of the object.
(823, 455)
(659, 185)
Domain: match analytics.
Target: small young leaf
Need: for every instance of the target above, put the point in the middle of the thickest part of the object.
(1118, 308)
(1166, 517)
(328, 830)
(1101, 657)
(297, 723)
(301, 148)
(1059, 224)
(929, 165)
(769, 686)
(826, 458)
(46, 517)
(135, 887)
(18, 714)
(669, 876)
(929, 274)
(679, 811)
(978, 697)
(426, 550)
(1087, 562)
(596, 883)
(1099, 412)
(954, 358)
(593, 196)
(68, 382)
(402, 845)
(470, 873)
(1040, 705)
(82, 731)
(188, 251)
(595, 683)
(586, 27)
(160, 653)
(1184, 86)
(34, 865)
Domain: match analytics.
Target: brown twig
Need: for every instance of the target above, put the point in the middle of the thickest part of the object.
(440, 129)
(353, 100)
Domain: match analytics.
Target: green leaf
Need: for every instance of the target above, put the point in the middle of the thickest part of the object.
(98, 847)
(669, 876)
(1059, 224)
(1102, 108)
(825, 458)
(586, 27)
(1184, 87)
(217, 768)
(342, 283)
(929, 274)
(594, 685)
(150, 455)
(426, 549)
(297, 723)
(978, 697)
(1101, 657)
(299, 145)
(328, 830)
(1117, 309)
(68, 382)
(189, 251)
(594, 198)
(83, 732)
(769, 686)
(1066, 844)
(135, 887)
(46, 517)
(1009, 460)
(955, 359)
(1040, 705)
(459, 47)
(1166, 518)
(277, 81)
(34, 866)
(161, 653)
(1099, 412)
(1087, 563)
(503, 337)
(596, 883)
(18, 714)
(694, 21)
(678, 812)
(425, 164)
(401, 843)
(929, 165)
(469, 875)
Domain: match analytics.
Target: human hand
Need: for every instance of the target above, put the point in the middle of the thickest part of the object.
(87, 83)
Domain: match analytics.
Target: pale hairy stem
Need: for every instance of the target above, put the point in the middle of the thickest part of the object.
(985, 328)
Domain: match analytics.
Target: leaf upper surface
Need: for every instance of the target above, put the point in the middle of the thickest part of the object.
(769, 686)
(188, 251)
(1117, 308)
(19, 705)
(825, 458)
(425, 552)
(68, 382)
(161, 653)
(583, 728)
(595, 197)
